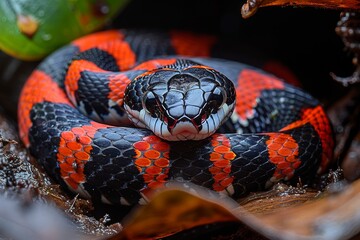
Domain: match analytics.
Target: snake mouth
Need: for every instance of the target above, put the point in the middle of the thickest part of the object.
(188, 128)
(183, 127)
(184, 131)
(180, 129)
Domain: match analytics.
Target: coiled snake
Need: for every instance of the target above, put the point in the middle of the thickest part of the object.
(216, 123)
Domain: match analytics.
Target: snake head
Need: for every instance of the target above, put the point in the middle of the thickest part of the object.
(181, 101)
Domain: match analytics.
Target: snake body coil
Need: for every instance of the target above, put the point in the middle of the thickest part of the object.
(241, 129)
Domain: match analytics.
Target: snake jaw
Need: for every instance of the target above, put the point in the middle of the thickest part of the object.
(182, 127)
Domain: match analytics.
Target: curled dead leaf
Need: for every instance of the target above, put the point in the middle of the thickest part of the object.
(251, 6)
(172, 211)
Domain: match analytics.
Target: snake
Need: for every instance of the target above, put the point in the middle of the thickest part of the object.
(121, 113)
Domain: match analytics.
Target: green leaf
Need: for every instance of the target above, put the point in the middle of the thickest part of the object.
(33, 29)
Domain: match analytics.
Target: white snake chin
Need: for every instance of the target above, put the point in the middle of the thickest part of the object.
(183, 131)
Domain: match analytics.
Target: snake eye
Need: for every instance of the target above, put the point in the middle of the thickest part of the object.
(217, 98)
(150, 103)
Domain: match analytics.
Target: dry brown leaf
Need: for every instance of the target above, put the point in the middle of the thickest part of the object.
(170, 212)
(251, 6)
